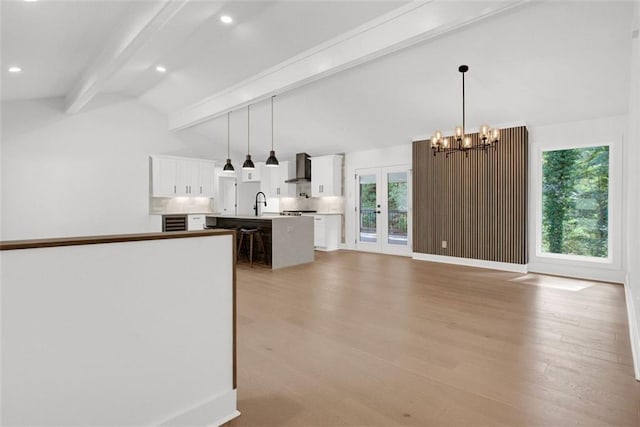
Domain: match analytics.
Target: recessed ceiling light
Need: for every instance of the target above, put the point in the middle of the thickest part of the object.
(226, 19)
(161, 69)
(15, 69)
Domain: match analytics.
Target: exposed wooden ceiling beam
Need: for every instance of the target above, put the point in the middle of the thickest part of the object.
(413, 23)
(137, 32)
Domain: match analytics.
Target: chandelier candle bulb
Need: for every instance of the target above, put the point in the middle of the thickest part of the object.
(467, 142)
(459, 132)
(495, 134)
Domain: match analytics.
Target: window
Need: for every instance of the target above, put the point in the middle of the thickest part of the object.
(397, 208)
(575, 202)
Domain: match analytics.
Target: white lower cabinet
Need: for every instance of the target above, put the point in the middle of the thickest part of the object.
(327, 229)
(319, 231)
(196, 222)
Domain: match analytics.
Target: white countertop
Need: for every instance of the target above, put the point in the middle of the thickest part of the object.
(184, 213)
(263, 217)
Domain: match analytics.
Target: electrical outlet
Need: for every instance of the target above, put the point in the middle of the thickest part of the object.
(444, 244)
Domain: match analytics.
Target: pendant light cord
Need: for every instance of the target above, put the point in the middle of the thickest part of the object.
(228, 134)
(272, 122)
(463, 127)
(248, 129)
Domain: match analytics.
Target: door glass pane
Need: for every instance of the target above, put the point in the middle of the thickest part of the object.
(575, 197)
(397, 208)
(368, 226)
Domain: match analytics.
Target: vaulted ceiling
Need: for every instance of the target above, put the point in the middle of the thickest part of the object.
(348, 75)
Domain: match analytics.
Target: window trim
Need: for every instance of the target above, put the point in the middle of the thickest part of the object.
(613, 261)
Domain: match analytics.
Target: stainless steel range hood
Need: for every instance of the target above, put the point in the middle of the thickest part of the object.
(303, 169)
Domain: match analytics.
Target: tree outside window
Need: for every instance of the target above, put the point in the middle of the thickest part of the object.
(575, 197)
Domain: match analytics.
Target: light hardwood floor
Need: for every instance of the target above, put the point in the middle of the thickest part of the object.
(359, 339)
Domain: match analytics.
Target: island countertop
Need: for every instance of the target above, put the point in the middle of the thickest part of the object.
(265, 217)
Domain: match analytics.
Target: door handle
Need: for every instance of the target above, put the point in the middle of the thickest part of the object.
(378, 212)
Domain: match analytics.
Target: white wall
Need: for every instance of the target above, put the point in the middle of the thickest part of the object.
(82, 174)
(601, 131)
(632, 231)
(119, 334)
(398, 155)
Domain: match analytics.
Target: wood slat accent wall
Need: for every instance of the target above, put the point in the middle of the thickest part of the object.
(478, 204)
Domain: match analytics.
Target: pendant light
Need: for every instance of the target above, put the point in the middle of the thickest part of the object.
(248, 163)
(272, 161)
(228, 167)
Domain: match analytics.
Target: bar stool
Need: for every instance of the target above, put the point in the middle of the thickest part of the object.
(250, 232)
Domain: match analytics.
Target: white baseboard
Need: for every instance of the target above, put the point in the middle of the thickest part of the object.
(577, 271)
(213, 411)
(226, 419)
(634, 337)
(469, 262)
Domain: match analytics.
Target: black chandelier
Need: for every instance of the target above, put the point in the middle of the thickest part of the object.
(488, 138)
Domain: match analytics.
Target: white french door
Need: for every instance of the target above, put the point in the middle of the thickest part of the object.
(383, 210)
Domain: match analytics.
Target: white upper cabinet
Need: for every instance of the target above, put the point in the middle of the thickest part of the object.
(277, 178)
(252, 175)
(187, 177)
(272, 180)
(206, 178)
(163, 176)
(265, 178)
(326, 176)
(181, 177)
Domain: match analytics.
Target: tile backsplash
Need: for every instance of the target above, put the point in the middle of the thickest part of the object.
(320, 204)
(169, 205)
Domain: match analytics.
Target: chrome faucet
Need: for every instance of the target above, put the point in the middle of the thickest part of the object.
(255, 207)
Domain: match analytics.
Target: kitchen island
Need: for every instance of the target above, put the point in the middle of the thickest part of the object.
(288, 239)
